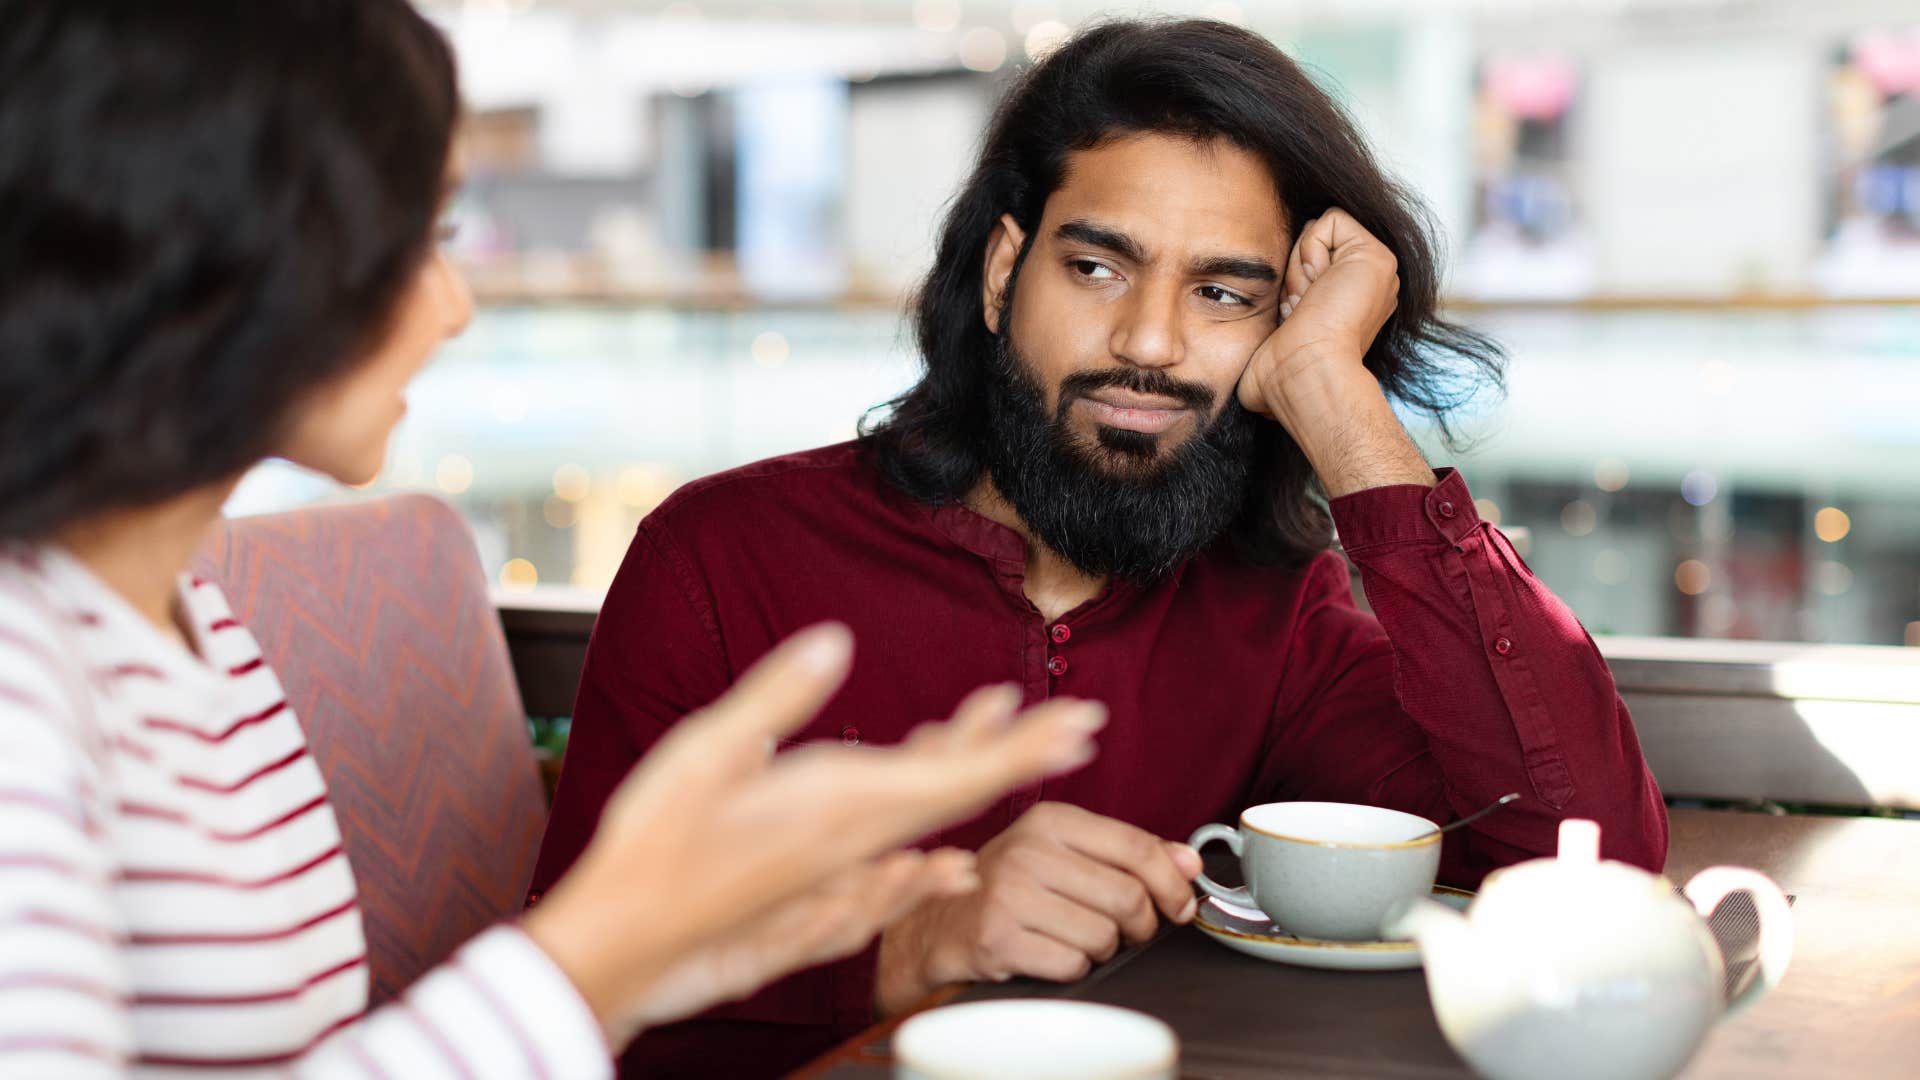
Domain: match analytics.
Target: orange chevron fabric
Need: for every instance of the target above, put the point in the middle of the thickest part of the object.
(376, 617)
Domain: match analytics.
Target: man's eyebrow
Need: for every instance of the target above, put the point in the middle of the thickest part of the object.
(1100, 236)
(1246, 268)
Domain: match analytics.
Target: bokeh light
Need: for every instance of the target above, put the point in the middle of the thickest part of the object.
(454, 474)
(1693, 577)
(1833, 578)
(572, 482)
(644, 486)
(770, 349)
(1832, 524)
(983, 49)
(937, 15)
(1699, 487)
(1610, 474)
(1045, 37)
(519, 574)
(1579, 517)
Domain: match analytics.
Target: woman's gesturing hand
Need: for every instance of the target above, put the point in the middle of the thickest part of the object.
(719, 867)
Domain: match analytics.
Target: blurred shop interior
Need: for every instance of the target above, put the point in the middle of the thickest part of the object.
(1694, 223)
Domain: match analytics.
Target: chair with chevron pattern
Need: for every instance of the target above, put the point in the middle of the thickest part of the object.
(377, 618)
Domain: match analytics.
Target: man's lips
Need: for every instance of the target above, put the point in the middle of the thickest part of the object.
(1145, 413)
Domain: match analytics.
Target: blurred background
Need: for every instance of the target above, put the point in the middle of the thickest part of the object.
(1695, 224)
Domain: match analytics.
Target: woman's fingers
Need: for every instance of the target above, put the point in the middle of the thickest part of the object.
(857, 803)
(982, 714)
(985, 712)
(839, 917)
(833, 920)
(1046, 740)
(710, 749)
(784, 690)
(790, 848)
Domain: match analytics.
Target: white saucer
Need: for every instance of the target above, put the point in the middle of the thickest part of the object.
(1250, 931)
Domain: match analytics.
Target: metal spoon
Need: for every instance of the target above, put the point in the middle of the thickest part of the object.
(1470, 818)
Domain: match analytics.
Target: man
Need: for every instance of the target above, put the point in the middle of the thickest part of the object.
(1168, 310)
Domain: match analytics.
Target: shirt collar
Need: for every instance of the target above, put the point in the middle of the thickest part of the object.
(82, 597)
(1006, 550)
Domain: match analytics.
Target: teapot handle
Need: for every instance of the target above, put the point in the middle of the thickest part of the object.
(1711, 886)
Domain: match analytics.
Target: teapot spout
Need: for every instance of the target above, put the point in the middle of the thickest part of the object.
(1467, 988)
(1441, 932)
(1449, 947)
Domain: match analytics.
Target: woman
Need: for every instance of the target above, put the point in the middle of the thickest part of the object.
(216, 245)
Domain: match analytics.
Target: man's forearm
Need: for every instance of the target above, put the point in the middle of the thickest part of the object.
(1341, 420)
(1504, 681)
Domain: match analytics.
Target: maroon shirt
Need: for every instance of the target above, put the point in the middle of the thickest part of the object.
(1228, 684)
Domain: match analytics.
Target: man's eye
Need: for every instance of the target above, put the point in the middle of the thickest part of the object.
(1218, 295)
(1087, 268)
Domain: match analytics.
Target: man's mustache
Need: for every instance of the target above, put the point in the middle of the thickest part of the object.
(1137, 380)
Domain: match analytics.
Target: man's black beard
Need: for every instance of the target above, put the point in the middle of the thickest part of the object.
(1115, 505)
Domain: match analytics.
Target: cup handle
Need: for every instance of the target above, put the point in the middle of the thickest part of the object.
(1711, 886)
(1229, 836)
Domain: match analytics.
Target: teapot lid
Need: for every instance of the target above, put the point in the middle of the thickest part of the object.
(1579, 842)
(1575, 878)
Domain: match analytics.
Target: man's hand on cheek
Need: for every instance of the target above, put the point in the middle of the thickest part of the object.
(1341, 287)
(1060, 891)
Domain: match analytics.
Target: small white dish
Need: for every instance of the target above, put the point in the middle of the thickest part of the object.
(1248, 930)
(1035, 1039)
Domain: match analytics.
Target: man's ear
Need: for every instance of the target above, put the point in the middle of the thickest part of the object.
(1003, 254)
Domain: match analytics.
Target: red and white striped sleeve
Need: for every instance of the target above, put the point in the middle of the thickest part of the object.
(64, 981)
(498, 1009)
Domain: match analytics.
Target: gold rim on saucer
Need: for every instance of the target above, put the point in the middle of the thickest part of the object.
(1213, 927)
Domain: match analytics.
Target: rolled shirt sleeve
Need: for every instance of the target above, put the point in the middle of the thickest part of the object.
(1469, 680)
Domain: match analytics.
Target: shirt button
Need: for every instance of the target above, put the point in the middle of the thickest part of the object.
(1057, 665)
(1061, 632)
(1503, 646)
(850, 736)
(1446, 509)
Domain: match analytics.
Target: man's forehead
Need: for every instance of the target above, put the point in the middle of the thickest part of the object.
(1166, 192)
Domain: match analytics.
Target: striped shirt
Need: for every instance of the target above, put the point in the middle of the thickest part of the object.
(174, 900)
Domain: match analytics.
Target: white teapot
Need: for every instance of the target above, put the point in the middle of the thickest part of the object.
(1575, 968)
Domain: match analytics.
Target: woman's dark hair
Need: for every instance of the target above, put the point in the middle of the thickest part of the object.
(1197, 79)
(208, 208)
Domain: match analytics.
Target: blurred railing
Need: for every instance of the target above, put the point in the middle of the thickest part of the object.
(1822, 726)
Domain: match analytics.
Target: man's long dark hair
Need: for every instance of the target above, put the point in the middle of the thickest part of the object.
(1197, 79)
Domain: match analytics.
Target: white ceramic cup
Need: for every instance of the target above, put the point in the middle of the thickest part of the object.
(1326, 870)
(1026, 1039)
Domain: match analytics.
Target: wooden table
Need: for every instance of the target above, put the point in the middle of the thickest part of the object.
(1848, 1007)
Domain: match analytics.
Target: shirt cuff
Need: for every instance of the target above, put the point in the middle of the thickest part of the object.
(559, 1029)
(1407, 514)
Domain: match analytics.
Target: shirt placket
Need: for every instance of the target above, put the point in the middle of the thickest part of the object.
(1049, 651)
(1039, 682)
